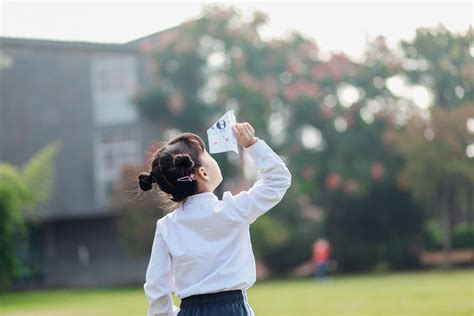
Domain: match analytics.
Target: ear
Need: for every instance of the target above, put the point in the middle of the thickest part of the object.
(202, 173)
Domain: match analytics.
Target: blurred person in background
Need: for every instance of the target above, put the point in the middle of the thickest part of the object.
(321, 254)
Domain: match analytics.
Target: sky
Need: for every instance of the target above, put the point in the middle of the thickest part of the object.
(335, 26)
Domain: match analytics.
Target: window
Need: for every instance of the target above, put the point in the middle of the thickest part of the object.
(113, 80)
(115, 148)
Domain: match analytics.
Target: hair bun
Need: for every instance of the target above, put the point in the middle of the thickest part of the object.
(145, 181)
(183, 161)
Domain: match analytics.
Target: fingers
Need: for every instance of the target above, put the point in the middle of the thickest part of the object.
(253, 130)
(244, 133)
(238, 130)
(249, 129)
(243, 127)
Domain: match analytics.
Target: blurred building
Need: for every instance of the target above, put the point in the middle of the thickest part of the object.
(79, 93)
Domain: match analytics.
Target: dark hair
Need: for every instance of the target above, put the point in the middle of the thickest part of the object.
(178, 158)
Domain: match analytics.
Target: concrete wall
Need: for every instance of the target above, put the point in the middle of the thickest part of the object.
(88, 252)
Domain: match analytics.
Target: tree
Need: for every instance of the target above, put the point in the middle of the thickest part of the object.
(438, 170)
(434, 144)
(21, 191)
(441, 60)
(137, 213)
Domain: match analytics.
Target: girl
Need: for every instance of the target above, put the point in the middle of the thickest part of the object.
(202, 250)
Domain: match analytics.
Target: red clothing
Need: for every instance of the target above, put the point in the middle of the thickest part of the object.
(321, 251)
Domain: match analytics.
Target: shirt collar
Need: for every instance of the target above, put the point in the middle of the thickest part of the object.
(201, 196)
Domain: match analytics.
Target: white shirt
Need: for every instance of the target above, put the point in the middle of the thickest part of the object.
(204, 245)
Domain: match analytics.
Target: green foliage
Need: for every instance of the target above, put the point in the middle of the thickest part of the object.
(443, 159)
(21, 190)
(463, 236)
(433, 236)
(435, 148)
(437, 170)
(14, 190)
(13, 193)
(11, 224)
(379, 228)
(441, 60)
(268, 231)
(38, 174)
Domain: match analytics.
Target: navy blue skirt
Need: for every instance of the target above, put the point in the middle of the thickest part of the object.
(229, 303)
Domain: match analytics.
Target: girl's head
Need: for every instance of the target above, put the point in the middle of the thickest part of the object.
(181, 168)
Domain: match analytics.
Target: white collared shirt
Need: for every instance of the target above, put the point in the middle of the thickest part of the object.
(204, 245)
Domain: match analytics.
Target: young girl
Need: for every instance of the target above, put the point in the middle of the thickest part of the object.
(202, 250)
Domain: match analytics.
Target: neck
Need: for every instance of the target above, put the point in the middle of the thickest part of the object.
(204, 188)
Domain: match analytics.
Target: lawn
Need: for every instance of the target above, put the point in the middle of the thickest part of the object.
(421, 293)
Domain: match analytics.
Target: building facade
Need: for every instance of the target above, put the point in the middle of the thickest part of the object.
(80, 94)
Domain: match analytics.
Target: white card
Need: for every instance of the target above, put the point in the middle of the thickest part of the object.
(220, 136)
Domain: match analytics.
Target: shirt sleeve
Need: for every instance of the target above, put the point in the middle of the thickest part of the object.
(159, 277)
(274, 180)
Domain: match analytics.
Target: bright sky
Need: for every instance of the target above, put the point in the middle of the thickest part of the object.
(336, 26)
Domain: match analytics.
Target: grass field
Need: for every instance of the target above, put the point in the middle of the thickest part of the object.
(421, 293)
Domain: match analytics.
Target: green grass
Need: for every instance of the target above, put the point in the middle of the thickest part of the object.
(422, 293)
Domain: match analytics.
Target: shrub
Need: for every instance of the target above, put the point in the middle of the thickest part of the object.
(463, 236)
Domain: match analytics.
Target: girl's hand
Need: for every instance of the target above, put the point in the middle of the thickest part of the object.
(245, 134)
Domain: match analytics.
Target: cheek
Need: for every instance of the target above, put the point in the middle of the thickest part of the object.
(216, 166)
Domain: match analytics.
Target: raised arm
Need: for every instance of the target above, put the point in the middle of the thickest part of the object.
(159, 282)
(274, 180)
